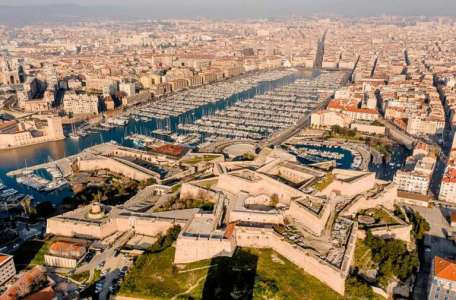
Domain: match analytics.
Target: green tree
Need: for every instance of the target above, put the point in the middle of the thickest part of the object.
(26, 204)
(274, 200)
(358, 289)
(265, 288)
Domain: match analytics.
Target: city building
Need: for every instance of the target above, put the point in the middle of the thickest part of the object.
(7, 268)
(64, 254)
(416, 175)
(255, 204)
(80, 103)
(35, 130)
(442, 281)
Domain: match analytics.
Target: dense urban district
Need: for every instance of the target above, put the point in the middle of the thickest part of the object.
(195, 159)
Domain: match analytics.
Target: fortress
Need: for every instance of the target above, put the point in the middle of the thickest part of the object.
(271, 202)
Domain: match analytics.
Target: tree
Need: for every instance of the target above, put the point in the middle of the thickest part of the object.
(274, 200)
(420, 225)
(392, 257)
(97, 197)
(26, 204)
(248, 156)
(358, 289)
(167, 240)
(265, 288)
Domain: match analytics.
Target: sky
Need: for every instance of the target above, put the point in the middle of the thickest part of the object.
(223, 8)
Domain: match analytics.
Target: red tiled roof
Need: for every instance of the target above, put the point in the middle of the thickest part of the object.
(229, 230)
(62, 246)
(174, 150)
(445, 268)
(450, 176)
(453, 217)
(3, 258)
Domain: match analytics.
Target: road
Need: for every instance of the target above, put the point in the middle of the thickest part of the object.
(399, 134)
(109, 278)
(101, 257)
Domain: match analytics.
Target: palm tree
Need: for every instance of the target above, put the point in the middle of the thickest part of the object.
(98, 197)
(26, 204)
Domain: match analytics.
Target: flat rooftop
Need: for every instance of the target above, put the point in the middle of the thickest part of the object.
(201, 224)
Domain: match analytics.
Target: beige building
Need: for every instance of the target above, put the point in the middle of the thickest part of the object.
(415, 176)
(80, 103)
(448, 185)
(64, 254)
(39, 129)
(369, 128)
(266, 203)
(329, 118)
(128, 88)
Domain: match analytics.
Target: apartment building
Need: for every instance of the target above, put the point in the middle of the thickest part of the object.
(80, 103)
(415, 176)
(442, 281)
(36, 130)
(7, 268)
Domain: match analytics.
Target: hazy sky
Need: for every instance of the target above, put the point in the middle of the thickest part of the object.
(260, 8)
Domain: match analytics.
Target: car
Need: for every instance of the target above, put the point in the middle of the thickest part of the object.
(114, 288)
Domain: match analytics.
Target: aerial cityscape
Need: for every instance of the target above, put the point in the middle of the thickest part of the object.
(298, 157)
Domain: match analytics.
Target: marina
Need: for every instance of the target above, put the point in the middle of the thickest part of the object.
(259, 117)
(39, 183)
(251, 108)
(141, 123)
(10, 198)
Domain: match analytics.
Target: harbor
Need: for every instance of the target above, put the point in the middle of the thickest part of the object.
(136, 122)
(252, 109)
(259, 117)
(315, 152)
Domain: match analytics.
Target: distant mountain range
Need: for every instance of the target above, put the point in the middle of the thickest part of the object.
(226, 9)
(30, 14)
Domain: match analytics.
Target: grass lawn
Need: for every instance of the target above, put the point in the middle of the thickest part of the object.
(324, 182)
(363, 256)
(154, 276)
(31, 253)
(208, 183)
(81, 277)
(84, 277)
(250, 274)
(197, 159)
(381, 217)
(291, 281)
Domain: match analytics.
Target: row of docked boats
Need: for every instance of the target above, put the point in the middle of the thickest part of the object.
(40, 184)
(261, 116)
(106, 125)
(143, 141)
(206, 96)
(10, 198)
